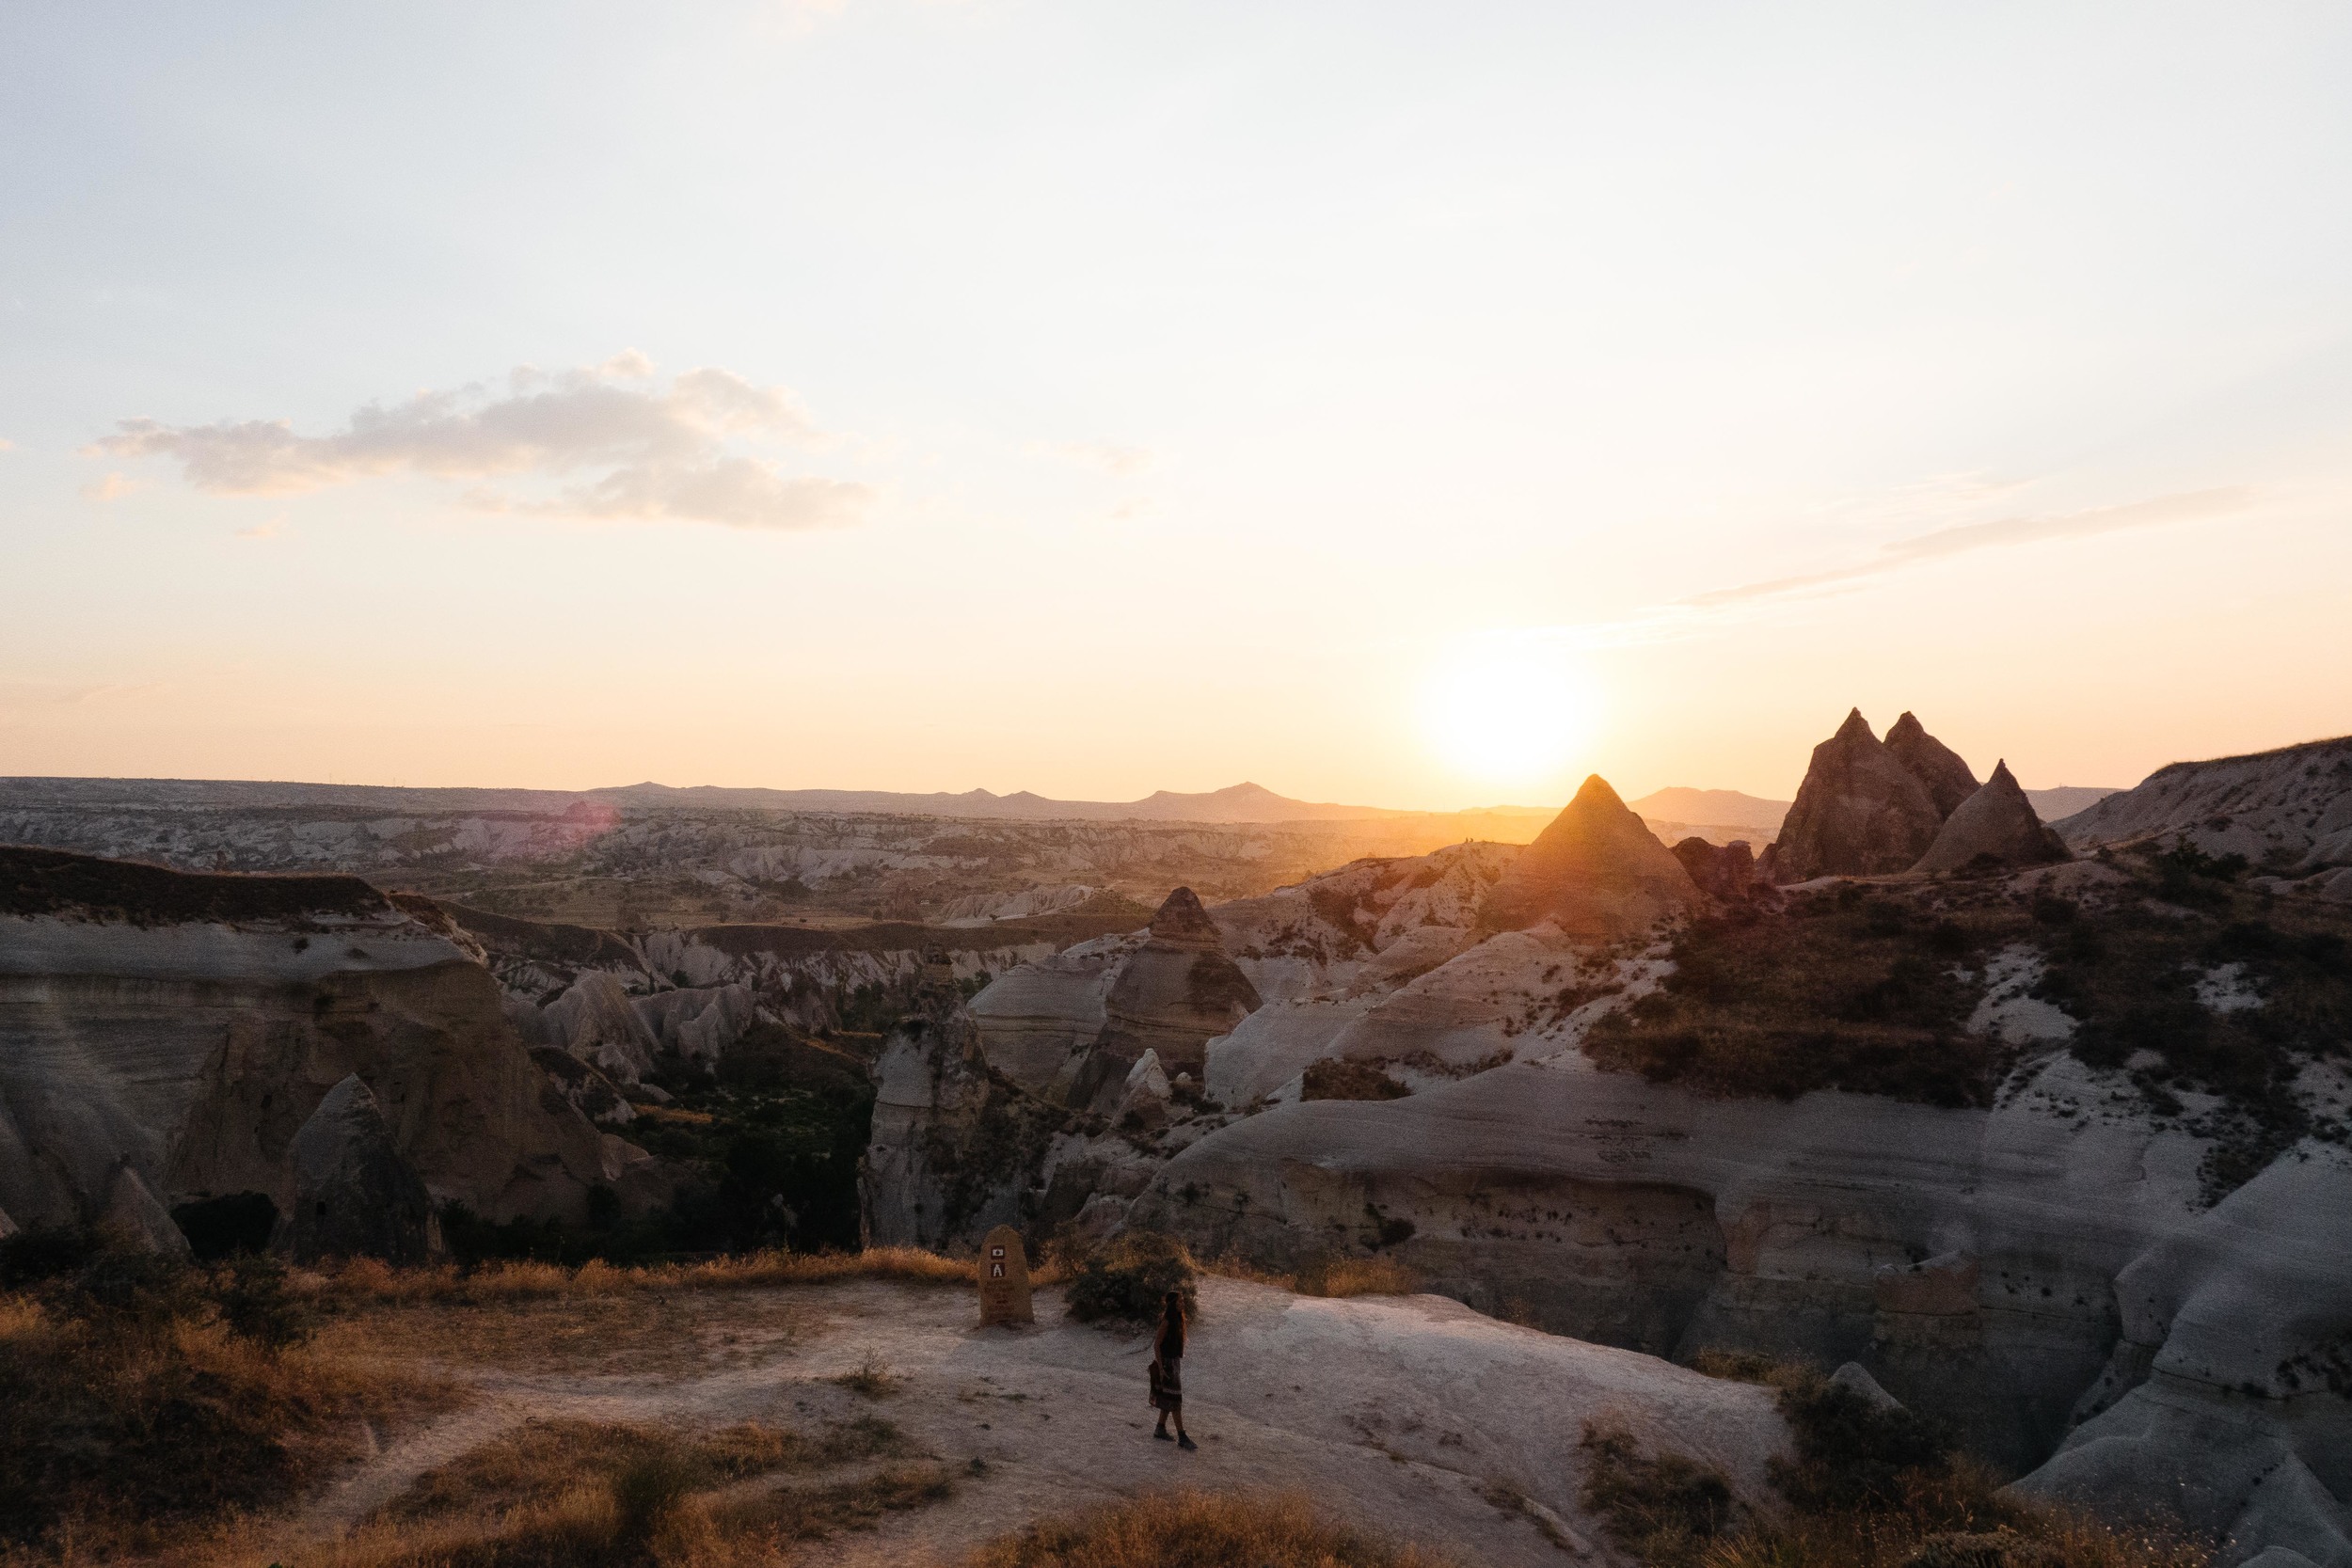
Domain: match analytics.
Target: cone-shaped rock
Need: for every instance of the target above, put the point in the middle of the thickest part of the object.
(1181, 920)
(1997, 826)
(1177, 993)
(1722, 871)
(1859, 813)
(1933, 764)
(1596, 870)
(350, 1194)
(137, 1217)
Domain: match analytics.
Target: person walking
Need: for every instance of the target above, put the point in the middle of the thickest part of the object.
(1168, 1371)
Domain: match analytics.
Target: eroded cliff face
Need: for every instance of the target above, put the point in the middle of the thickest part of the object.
(188, 1024)
(2288, 810)
(1914, 1240)
(957, 1149)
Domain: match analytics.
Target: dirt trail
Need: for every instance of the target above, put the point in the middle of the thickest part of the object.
(1406, 1415)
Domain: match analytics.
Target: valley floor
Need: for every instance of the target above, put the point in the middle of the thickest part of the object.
(1413, 1416)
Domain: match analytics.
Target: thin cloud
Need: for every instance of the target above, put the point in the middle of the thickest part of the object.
(1109, 457)
(20, 696)
(1703, 614)
(113, 487)
(617, 442)
(2189, 506)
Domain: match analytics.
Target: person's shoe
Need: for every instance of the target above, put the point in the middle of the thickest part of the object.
(1164, 1437)
(1186, 1442)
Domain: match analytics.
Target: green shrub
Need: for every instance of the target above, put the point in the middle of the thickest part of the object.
(1129, 1279)
(1852, 1454)
(1664, 1509)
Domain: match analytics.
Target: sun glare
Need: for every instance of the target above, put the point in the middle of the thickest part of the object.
(1508, 715)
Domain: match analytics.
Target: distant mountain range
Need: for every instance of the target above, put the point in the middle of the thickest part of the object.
(1240, 803)
(1729, 809)
(1724, 809)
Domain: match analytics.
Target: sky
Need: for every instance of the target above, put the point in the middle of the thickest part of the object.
(1417, 406)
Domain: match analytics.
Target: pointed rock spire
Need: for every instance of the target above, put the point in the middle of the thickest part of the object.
(1181, 919)
(1995, 829)
(352, 1195)
(1597, 871)
(1180, 991)
(1859, 813)
(1948, 778)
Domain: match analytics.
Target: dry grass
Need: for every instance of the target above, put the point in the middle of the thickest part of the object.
(545, 1317)
(1194, 1530)
(1953, 1531)
(543, 1460)
(649, 1333)
(123, 1437)
(813, 1512)
(1326, 1275)
(870, 1377)
(369, 1280)
(1664, 1509)
(1356, 1277)
(1860, 1492)
(589, 1494)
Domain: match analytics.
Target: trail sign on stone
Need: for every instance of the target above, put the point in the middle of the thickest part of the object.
(1004, 1279)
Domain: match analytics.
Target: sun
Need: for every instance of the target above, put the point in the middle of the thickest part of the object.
(1508, 715)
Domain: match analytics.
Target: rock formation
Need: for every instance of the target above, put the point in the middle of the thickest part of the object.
(1948, 780)
(1995, 829)
(189, 1024)
(1596, 873)
(1038, 1020)
(1860, 812)
(133, 1217)
(956, 1147)
(1177, 992)
(346, 1192)
(1724, 872)
(2289, 809)
(2221, 1406)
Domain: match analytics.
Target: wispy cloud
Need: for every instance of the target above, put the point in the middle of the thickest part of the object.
(1702, 613)
(112, 487)
(1106, 456)
(626, 445)
(20, 696)
(2189, 506)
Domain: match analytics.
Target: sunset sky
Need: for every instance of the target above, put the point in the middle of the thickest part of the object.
(1422, 405)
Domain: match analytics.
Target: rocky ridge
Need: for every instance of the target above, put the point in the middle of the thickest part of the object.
(2048, 1270)
(185, 1027)
(1861, 811)
(2288, 811)
(1994, 826)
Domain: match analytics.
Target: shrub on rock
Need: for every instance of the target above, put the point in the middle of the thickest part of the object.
(1128, 1279)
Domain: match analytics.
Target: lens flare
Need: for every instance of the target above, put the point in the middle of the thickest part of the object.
(1509, 715)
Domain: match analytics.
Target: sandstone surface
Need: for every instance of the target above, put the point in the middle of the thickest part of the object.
(1173, 995)
(188, 1024)
(1994, 828)
(1860, 812)
(1947, 779)
(1596, 874)
(2289, 810)
(347, 1192)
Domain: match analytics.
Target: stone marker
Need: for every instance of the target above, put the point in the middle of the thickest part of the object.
(1004, 1279)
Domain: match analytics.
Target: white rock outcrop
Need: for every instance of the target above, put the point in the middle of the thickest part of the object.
(184, 1025)
(2290, 808)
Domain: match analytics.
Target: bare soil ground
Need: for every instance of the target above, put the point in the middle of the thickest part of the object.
(1284, 1393)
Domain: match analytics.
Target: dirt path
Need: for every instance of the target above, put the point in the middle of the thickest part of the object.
(1413, 1416)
